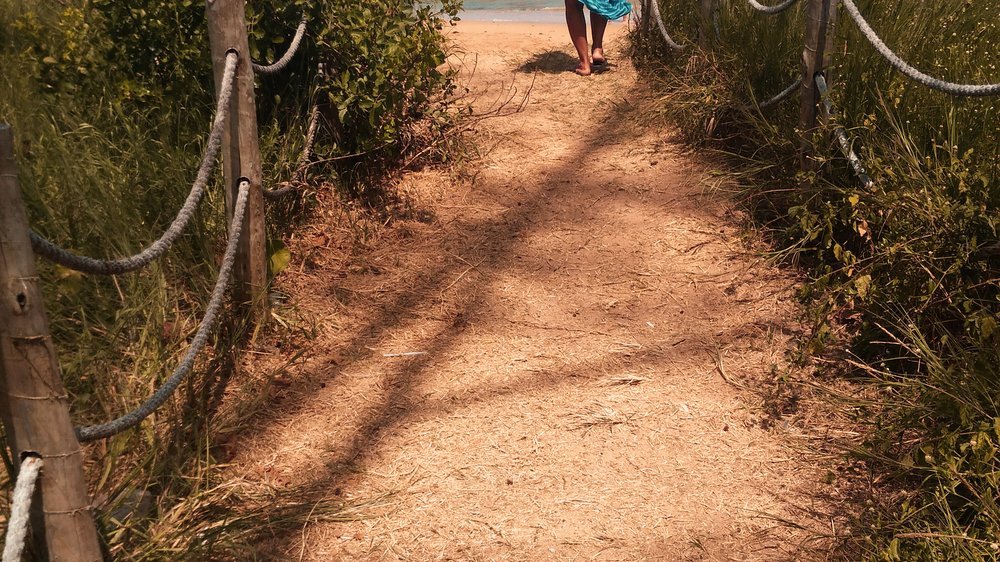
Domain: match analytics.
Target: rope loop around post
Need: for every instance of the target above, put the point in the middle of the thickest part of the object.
(20, 511)
(781, 96)
(300, 172)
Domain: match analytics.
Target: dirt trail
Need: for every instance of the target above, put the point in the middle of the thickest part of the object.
(571, 308)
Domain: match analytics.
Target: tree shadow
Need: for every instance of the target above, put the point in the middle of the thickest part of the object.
(488, 245)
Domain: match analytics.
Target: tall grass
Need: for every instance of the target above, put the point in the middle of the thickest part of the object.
(111, 105)
(908, 265)
(105, 182)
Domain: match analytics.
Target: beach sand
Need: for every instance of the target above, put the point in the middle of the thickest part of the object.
(477, 33)
(549, 357)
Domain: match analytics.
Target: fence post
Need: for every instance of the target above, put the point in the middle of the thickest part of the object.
(241, 152)
(705, 25)
(644, 24)
(820, 19)
(33, 402)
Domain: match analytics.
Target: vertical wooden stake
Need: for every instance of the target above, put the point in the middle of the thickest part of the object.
(820, 19)
(33, 402)
(829, 43)
(705, 27)
(240, 149)
(644, 24)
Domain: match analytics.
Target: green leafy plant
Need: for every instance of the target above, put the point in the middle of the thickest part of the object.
(907, 265)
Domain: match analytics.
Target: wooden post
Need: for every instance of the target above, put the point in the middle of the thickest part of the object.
(644, 24)
(240, 149)
(33, 402)
(705, 26)
(820, 20)
(829, 44)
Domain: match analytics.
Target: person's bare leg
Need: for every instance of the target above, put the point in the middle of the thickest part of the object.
(598, 24)
(577, 25)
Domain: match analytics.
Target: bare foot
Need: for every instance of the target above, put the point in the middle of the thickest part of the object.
(598, 57)
(583, 70)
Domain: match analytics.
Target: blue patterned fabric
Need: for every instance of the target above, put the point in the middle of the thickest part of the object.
(611, 9)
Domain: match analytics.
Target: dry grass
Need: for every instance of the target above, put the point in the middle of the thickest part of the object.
(599, 416)
(627, 379)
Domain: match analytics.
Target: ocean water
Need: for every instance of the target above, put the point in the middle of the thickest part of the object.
(507, 5)
(542, 15)
(545, 11)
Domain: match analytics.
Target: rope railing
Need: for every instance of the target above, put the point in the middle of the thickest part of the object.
(281, 63)
(303, 159)
(655, 12)
(772, 10)
(783, 94)
(911, 72)
(131, 419)
(20, 511)
(310, 139)
(66, 258)
(86, 264)
(716, 26)
(66, 535)
(841, 134)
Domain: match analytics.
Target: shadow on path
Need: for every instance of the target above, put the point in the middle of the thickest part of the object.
(450, 292)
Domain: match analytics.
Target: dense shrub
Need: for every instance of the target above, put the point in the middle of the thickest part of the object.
(380, 58)
(909, 265)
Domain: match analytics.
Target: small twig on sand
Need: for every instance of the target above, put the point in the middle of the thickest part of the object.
(717, 357)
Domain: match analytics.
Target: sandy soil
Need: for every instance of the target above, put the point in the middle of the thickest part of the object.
(552, 360)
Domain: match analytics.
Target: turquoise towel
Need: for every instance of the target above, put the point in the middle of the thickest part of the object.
(611, 9)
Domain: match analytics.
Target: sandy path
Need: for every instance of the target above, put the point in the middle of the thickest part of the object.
(569, 305)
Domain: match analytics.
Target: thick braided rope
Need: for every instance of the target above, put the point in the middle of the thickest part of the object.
(655, 6)
(913, 73)
(287, 57)
(20, 511)
(783, 94)
(842, 140)
(133, 418)
(715, 22)
(303, 160)
(310, 136)
(772, 10)
(64, 257)
(280, 191)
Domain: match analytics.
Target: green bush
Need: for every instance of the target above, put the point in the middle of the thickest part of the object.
(386, 75)
(380, 58)
(913, 258)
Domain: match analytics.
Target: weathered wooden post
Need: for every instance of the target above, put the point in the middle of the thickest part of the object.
(241, 152)
(821, 17)
(33, 402)
(647, 11)
(644, 24)
(705, 25)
